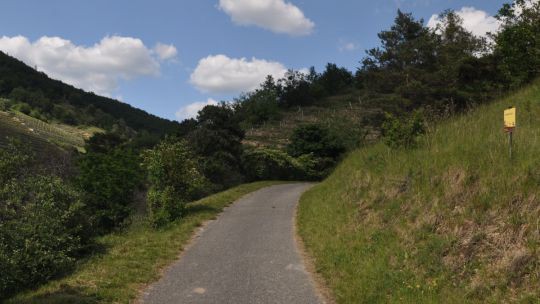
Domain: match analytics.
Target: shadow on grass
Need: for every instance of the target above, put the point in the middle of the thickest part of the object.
(64, 295)
(199, 208)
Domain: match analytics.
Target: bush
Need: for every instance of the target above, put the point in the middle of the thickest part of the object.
(403, 133)
(42, 226)
(270, 164)
(317, 140)
(175, 179)
(108, 181)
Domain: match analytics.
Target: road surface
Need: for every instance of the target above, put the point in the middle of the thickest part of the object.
(247, 255)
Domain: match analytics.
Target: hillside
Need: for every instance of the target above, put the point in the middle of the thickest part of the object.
(54, 100)
(347, 114)
(42, 135)
(452, 221)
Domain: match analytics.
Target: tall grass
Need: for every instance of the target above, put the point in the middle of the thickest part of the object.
(455, 220)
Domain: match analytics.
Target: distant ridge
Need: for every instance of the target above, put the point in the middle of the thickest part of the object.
(59, 101)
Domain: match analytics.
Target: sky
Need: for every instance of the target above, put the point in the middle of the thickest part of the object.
(172, 57)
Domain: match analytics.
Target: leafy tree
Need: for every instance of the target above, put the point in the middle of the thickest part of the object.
(335, 79)
(294, 89)
(175, 179)
(518, 42)
(259, 106)
(108, 180)
(218, 141)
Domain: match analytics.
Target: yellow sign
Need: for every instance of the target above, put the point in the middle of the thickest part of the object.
(510, 118)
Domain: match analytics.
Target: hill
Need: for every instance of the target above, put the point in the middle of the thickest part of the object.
(37, 95)
(452, 221)
(347, 114)
(42, 136)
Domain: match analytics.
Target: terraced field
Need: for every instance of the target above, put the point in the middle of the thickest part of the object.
(41, 135)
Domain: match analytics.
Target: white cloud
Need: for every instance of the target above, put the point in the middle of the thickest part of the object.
(476, 21)
(221, 74)
(165, 51)
(97, 68)
(275, 15)
(191, 110)
(347, 46)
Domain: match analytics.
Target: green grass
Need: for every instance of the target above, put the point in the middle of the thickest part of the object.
(133, 258)
(452, 221)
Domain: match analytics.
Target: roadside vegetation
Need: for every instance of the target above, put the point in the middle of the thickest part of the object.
(127, 260)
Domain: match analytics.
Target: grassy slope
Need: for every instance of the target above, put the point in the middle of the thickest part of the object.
(41, 134)
(132, 258)
(452, 221)
(343, 113)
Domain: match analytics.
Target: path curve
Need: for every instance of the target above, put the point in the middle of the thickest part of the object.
(247, 255)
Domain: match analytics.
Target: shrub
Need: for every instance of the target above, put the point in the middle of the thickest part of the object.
(270, 164)
(403, 133)
(317, 140)
(108, 181)
(42, 226)
(175, 179)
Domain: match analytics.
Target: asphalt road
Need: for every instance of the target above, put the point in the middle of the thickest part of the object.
(247, 255)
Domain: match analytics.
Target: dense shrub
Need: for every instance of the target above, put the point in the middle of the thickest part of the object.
(108, 181)
(317, 140)
(174, 178)
(403, 133)
(217, 140)
(270, 164)
(42, 226)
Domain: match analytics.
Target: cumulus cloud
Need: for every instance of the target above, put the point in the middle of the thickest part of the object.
(476, 21)
(97, 68)
(221, 74)
(165, 51)
(191, 110)
(275, 15)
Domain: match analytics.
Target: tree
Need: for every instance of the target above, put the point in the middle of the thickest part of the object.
(217, 139)
(295, 89)
(174, 177)
(259, 106)
(315, 139)
(335, 79)
(518, 42)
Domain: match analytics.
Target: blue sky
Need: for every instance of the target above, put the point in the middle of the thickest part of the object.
(170, 57)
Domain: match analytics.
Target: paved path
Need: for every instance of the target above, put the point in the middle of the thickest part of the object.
(248, 255)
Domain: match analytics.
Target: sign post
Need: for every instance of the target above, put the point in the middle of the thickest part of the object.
(510, 125)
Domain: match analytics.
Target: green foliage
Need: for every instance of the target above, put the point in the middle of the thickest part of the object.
(403, 133)
(174, 178)
(518, 43)
(217, 140)
(335, 79)
(317, 140)
(268, 164)
(108, 180)
(42, 225)
(259, 106)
